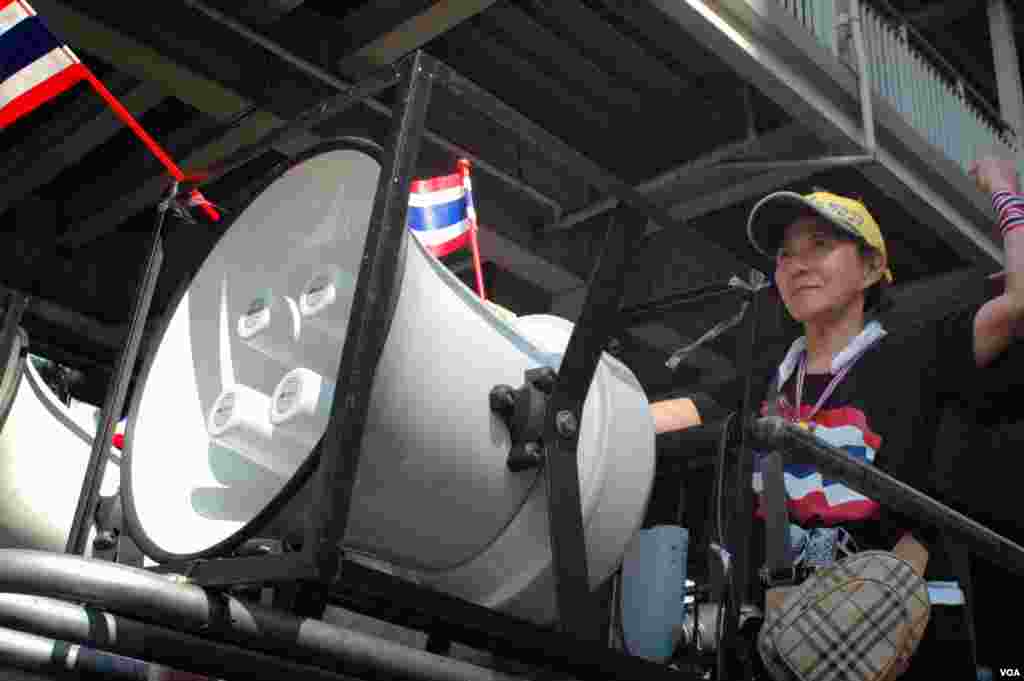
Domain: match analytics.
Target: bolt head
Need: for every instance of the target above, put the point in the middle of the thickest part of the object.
(566, 423)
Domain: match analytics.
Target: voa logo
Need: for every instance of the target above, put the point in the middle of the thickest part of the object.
(1012, 671)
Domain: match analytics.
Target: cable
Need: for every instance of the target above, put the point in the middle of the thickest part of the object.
(720, 522)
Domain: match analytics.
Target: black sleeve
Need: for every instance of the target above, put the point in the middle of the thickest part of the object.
(717, 401)
(955, 372)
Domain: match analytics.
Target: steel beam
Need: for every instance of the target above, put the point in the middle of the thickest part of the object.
(86, 125)
(938, 15)
(766, 47)
(411, 34)
(1007, 63)
(248, 131)
(696, 172)
(102, 334)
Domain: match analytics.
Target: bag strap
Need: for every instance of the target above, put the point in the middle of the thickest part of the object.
(777, 558)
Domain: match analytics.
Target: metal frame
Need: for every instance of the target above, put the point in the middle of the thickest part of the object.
(799, 446)
(78, 535)
(319, 570)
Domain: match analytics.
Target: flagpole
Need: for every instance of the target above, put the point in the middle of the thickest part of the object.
(129, 120)
(471, 211)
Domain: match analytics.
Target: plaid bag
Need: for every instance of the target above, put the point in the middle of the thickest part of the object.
(847, 622)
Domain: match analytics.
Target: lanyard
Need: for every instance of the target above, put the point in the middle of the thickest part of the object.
(829, 389)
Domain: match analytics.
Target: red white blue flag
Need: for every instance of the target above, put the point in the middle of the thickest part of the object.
(34, 65)
(440, 213)
(813, 495)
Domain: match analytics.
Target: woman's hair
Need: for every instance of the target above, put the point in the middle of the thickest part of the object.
(876, 299)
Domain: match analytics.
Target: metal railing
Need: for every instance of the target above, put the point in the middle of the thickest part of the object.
(916, 81)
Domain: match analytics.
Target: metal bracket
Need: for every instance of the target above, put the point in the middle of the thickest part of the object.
(523, 411)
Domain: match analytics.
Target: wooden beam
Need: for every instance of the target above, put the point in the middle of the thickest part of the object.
(411, 33)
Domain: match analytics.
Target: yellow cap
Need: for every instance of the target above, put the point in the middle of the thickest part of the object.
(775, 211)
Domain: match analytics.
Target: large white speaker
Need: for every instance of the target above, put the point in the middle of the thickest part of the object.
(239, 388)
(44, 451)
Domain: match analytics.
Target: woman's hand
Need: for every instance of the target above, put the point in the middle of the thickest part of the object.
(914, 552)
(995, 175)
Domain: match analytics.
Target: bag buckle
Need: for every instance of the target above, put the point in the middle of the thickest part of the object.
(786, 576)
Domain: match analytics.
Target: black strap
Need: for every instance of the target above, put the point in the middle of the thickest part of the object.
(773, 498)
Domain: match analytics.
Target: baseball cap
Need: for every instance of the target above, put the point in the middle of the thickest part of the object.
(774, 212)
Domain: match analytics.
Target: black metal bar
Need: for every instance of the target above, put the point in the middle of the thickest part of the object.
(599, 319)
(308, 119)
(741, 524)
(387, 597)
(368, 326)
(148, 642)
(799, 446)
(118, 389)
(655, 310)
(220, 617)
(265, 569)
(557, 150)
(16, 305)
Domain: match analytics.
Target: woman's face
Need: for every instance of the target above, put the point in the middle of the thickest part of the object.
(819, 273)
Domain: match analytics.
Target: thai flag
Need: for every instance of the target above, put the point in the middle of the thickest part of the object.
(440, 213)
(34, 65)
(813, 495)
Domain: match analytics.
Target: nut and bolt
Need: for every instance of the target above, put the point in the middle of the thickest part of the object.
(566, 423)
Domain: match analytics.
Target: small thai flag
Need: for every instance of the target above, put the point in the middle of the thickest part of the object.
(439, 213)
(34, 65)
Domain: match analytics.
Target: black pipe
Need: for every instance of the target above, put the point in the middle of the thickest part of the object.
(799, 445)
(131, 638)
(656, 309)
(136, 593)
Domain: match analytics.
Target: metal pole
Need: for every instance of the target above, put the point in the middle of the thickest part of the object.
(660, 182)
(800, 446)
(656, 309)
(114, 403)
(217, 616)
(824, 163)
(369, 324)
(400, 602)
(332, 80)
(31, 652)
(741, 525)
(16, 304)
(128, 638)
(1007, 63)
(599, 319)
(866, 102)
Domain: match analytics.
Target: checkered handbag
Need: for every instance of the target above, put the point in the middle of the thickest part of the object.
(847, 622)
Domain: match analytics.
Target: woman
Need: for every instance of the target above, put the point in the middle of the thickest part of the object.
(875, 393)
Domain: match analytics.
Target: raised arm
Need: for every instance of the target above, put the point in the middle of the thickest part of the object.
(1001, 320)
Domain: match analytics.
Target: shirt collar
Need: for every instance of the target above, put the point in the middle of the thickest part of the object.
(873, 332)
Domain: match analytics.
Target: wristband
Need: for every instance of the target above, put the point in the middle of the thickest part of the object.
(1009, 209)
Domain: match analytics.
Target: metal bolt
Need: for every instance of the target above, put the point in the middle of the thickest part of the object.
(566, 424)
(104, 540)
